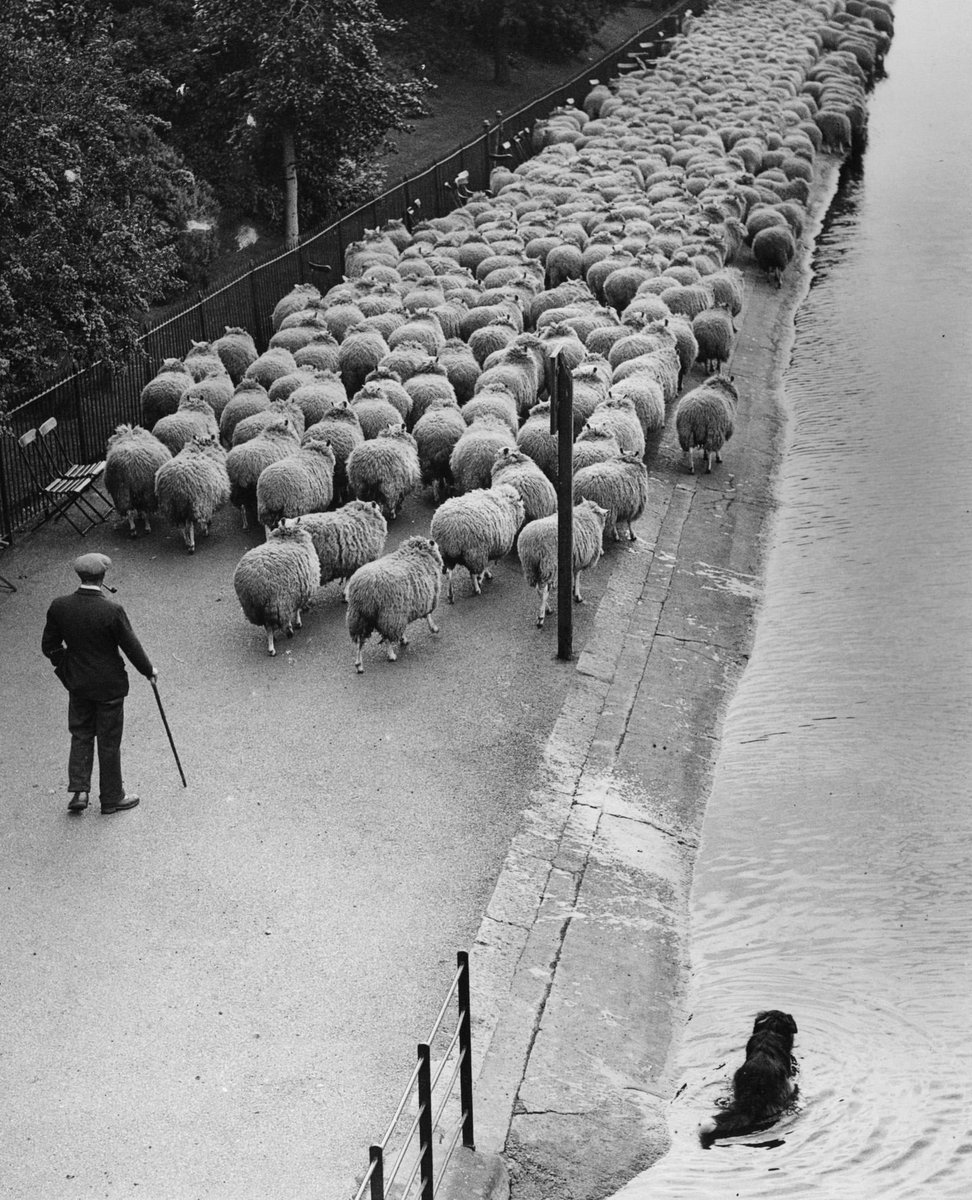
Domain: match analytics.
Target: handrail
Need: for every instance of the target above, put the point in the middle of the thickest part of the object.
(375, 1183)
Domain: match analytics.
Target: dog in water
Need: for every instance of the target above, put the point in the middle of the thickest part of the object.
(763, 1086)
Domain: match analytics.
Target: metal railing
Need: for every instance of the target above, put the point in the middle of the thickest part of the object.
(432, 1096)
(89, 404)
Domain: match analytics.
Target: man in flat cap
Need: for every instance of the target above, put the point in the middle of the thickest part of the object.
(82, 638)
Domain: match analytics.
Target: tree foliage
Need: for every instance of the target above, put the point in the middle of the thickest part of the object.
(550, 29)
(307, 71)
(91, 201)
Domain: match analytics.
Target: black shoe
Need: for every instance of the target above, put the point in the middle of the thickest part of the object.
(78, 802)
(125, 802)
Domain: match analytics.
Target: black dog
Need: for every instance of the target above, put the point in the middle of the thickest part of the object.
(763, 1086)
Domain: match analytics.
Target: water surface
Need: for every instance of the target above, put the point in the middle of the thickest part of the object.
(835, 875)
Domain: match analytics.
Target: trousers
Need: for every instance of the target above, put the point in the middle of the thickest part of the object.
(90, 721)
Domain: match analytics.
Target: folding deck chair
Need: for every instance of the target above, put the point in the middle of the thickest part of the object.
(60, 462)
(60, 492)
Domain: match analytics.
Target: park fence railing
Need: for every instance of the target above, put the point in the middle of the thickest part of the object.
(89, 404)
(415, 1174)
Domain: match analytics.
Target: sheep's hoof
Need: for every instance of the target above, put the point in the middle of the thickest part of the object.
(359, 667)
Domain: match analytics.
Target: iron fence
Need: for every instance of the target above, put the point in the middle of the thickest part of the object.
(89, 404)
(432, 1095)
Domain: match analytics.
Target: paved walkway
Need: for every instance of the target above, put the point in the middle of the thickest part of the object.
(581, 962)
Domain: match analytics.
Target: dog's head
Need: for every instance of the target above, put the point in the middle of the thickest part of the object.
(774, 1021)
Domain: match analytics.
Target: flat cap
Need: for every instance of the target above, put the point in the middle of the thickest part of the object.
(92, 566)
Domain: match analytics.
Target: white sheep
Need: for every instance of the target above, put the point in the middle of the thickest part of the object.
(131, 460)
(535, 440)
(244, 463)
(360, 352)
(594, 445)
(520, 471)
(318, 395)
(250, 397)
(237, 350)
(714, 333)
(386, 595)
(192, 485)
(303, 482)
(385, 469)
(538, 549)
(342, 429)
(436, 433)
(704, 418)
(321, 352)
(162, 393)
(193, 418)
(619, 486)
(346, 538)
(276, 579)
(472, 458)
(619, 415)
(300, 296)
(475, 529)
(202, 360)
(497, 401)
(279, 410)
(274, 362)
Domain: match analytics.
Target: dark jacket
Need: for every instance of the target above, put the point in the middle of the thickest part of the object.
(82, 637)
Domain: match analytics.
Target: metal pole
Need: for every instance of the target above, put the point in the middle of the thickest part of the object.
(377, 1174)
(465, 1050)
(560, 384)
(425, 1120)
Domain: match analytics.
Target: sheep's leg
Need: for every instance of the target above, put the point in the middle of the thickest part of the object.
(298, 624)
(358, 660)
(449, 573)
(477, 588)
(432, 624)
(148, 523)
(689, 460)
(577, 592)
(544, 591)
(710, 455)
(243, 515)
(189, 536)
(267, 530)
(271, 649)
(131, 523)
(632, 536)
(392, 656)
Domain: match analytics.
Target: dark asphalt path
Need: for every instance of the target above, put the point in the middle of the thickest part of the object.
(219, 993)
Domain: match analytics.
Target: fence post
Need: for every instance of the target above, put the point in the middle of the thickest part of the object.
(425, 1120)
(378, 1173)
(465, 1050)
(560, 385)
(83, 455)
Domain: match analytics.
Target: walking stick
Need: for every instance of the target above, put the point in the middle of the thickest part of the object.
(175, 753)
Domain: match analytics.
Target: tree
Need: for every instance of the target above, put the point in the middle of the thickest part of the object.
(88, 197)
(308, 95)
(554, 29)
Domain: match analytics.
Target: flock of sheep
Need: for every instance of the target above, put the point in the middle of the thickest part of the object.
(615, 247)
